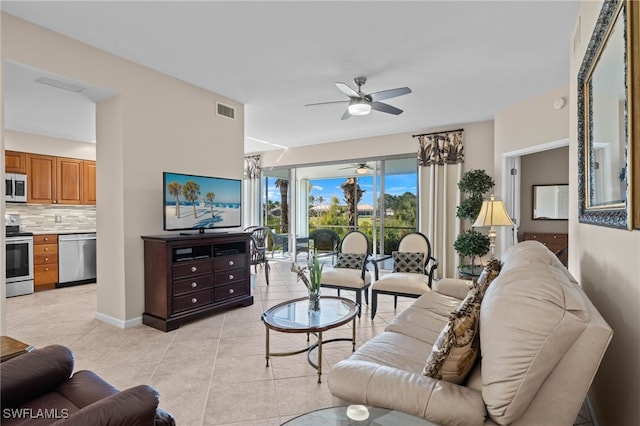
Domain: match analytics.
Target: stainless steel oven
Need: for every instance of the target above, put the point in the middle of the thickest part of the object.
(19, 265)
(19, 258)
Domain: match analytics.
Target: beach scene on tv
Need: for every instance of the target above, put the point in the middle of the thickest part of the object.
(193, 202)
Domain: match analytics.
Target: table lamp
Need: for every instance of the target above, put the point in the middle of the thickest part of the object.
(493, 213)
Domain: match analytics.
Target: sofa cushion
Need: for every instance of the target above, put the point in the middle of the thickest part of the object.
(530, 316)
(350, 260)
(425, 318)
(408, 262)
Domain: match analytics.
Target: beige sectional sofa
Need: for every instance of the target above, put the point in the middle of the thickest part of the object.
(541, 341)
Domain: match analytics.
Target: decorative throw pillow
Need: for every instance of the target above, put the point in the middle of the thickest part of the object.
(350, 260)
(458, 345)
(490, 272)
(408, 262)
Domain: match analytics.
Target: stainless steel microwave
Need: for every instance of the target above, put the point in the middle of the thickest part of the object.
(16, 187)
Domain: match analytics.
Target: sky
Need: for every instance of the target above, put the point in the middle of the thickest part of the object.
(394, 185)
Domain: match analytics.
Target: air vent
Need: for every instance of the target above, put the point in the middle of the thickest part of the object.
(226, 111)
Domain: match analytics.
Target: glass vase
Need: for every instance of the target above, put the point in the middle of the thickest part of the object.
(314, 300)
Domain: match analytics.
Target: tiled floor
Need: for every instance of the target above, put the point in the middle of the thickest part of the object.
(208, 372)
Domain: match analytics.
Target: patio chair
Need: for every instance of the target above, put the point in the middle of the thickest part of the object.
(259, 236)
(413, 268)
(325, 242)
(350, 270)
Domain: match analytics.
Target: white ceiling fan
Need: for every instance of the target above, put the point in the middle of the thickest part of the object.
(361, 168)
(362, 103)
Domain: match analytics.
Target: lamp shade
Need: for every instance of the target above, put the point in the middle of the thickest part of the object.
(359, 107)
(493, 213)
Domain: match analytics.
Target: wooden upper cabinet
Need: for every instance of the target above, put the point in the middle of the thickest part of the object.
(69, 181)
(59, 180)
(15, 162)
(41, 174)
(89, 182)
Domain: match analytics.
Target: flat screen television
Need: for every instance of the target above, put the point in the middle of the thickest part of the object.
(200, 202)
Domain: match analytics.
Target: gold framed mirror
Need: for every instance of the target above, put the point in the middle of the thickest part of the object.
(607, 94)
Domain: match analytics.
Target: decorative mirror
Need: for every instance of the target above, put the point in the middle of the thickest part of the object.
(604, 125)
(550, 202)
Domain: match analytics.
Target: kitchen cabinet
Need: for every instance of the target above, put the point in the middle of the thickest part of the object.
(188, 277)
(89, 182)
(15, 162)
(59, 180)
(41, 175)
(45, 261)
(69, 174)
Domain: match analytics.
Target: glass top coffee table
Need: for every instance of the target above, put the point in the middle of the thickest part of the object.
(377, 416)
(294, 316)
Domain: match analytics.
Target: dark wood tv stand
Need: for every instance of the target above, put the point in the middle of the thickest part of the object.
(192, 276)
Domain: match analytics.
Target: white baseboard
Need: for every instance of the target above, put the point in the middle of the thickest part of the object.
(118, 322)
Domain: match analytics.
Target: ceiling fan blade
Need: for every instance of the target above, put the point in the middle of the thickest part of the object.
(346, 115)
(325, 103)
(382, 107)
(391, 93)
(347, 90)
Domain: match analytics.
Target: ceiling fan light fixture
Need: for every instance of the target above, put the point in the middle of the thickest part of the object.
(359, 108)
(361, 170)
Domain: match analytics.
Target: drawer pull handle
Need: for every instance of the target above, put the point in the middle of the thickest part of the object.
(46, 269)
(46, 259)
(230, 276)
(231, 263)
(194, 284)
(194, 300)
(46, 239)
(193, 269)
(46, 249)
(230, 291)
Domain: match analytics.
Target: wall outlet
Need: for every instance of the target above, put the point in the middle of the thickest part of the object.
(58, 218)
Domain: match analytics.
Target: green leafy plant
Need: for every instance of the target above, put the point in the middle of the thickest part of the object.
(312, 282)
(471, 243)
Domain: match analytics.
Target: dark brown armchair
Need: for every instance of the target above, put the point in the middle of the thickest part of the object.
(38, 388)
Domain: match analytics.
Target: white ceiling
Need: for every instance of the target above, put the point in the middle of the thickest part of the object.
(463, 60)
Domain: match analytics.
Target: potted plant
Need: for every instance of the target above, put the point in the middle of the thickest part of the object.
(471, 243)
(312, 282)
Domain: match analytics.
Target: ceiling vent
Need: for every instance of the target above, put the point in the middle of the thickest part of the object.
(226, 111)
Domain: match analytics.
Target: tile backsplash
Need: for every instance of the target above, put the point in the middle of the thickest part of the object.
(42, 217)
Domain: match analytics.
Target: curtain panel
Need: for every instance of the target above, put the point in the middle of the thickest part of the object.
(252, 180)
(437, 151)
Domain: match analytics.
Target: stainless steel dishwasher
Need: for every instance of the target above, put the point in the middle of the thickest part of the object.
(76, 259)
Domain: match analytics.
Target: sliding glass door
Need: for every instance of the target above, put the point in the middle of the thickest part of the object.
(377, 197)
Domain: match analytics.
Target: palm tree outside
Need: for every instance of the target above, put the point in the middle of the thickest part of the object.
(283, 185)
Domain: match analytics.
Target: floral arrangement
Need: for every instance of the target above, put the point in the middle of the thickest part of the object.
(312, 282)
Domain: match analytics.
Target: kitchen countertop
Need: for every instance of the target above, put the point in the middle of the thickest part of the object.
(60, 232)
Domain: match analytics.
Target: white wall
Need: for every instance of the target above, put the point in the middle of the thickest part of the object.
(46, 145)
(155, 123)
(605, 261)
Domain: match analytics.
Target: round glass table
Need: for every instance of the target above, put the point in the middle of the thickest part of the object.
(294, 316)
(377, 416)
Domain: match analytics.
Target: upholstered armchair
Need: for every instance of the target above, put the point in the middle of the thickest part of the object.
(413, 268)
(350, 270)
(41, 381)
